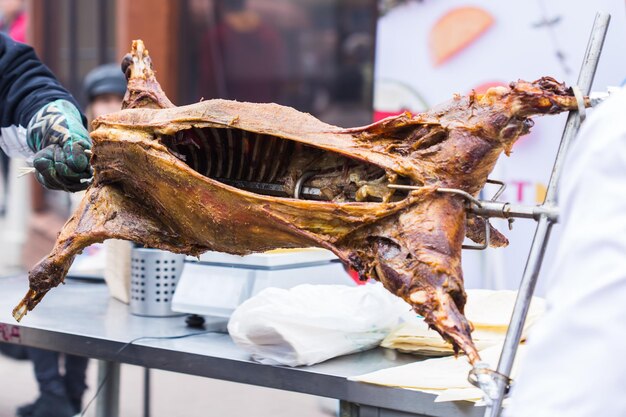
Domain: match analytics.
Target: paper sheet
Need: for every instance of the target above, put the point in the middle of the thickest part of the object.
(446, 377)
(489, 311)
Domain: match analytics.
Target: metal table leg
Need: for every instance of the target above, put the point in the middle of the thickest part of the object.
(108, 401)
(348, 409)
(146, 392)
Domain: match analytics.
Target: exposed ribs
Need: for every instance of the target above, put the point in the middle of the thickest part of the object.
(236, 157)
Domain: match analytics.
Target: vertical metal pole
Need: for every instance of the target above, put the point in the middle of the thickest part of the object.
(146, 392)
(542, 233)
(348, 409)
(585, 81)
(108, 402)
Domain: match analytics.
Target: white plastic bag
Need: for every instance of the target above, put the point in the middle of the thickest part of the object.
(309, 324)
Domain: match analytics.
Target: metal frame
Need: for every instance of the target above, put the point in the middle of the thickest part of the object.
(492, 208)
(495, 383)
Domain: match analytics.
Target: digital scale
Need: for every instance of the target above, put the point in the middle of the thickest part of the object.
(215, 284)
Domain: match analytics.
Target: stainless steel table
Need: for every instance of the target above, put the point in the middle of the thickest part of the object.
(80, 318)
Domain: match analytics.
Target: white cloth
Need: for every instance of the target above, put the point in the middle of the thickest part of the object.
(308, 324)
(13, 142)
(574, 365)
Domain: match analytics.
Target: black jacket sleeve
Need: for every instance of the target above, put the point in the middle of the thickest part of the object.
(26, 84)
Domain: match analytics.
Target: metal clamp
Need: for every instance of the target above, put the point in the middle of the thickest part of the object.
(487, 241)
(580, 101)
(500, 190)
(488, 380)
(471, 200)
(300, 183)
(456, 191)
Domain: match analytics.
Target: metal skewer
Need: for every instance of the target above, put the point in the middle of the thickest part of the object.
(25, 171)
(493, 208)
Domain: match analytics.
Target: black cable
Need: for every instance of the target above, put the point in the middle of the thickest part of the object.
(107, 375)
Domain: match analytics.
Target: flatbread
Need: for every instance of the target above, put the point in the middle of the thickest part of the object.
(445, 377)
(488, 308)
(490, 313)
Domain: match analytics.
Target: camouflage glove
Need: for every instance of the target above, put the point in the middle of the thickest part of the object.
(57, 136)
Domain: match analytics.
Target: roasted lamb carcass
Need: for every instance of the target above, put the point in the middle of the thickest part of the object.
(243, 177)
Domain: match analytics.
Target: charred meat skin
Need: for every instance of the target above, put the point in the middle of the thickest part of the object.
(162, 176)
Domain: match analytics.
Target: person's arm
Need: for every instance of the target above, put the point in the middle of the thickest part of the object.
(39, 119)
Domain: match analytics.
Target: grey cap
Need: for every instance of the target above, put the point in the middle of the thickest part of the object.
(105, 79)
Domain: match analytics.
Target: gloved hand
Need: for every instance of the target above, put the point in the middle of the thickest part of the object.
(57, 136)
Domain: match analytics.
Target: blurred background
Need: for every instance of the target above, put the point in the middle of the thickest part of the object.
(314, 55)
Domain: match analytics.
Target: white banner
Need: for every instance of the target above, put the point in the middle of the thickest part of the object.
(428, 50)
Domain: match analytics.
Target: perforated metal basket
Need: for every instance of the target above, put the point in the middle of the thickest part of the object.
(154, 276)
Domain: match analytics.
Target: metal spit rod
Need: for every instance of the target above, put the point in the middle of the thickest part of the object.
(493, 208)
(542, 233)
(508, 211)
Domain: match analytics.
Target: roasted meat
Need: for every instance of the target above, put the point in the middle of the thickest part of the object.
(242, 177)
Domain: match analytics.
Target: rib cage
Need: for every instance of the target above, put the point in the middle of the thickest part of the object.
(233, 153)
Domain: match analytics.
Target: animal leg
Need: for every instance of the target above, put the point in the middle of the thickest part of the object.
(104, 213)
